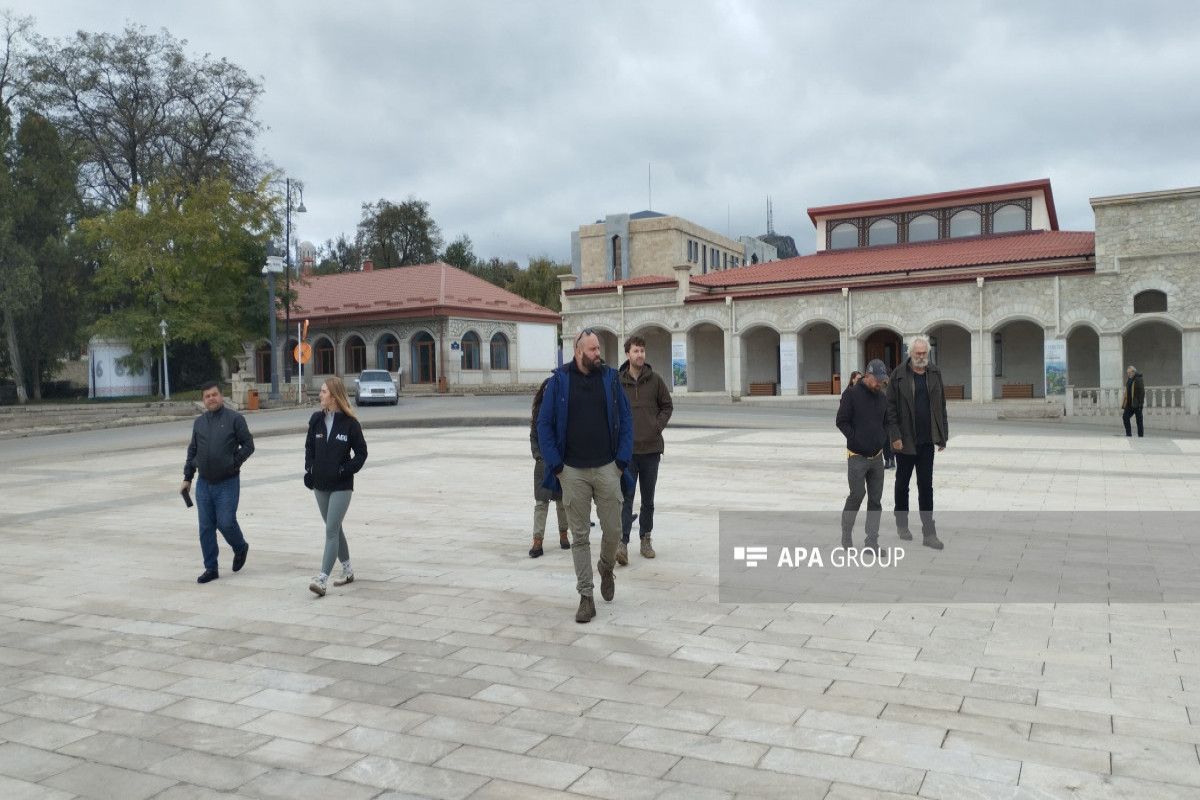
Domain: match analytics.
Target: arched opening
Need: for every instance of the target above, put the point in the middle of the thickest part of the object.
(706, 358)
(499, 351)
(470, 351)
(923, 228)
(882, 231)
(423, 352)
(760, 360)
(387, 353)
(323, 357)
(356, 355)
(950, 348)
(1008, 219)
(1083, 358)
(658, 350)
(262, 364)
(821, 359)
(1019, 358)
(966, 223)
(1149, 302)
(843, 236)
(883, 344)
(1156, 349)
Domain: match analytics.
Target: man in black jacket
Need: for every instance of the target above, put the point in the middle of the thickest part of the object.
(1134, 399)
(917, 423)
(220, 444)
(860, 419)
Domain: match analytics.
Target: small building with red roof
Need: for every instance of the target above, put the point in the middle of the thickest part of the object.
(1011, 304)
(429, 322)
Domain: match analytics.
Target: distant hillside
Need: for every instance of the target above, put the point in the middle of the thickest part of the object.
(784, 245)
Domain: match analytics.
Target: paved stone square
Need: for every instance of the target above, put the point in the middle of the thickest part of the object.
(452, 667)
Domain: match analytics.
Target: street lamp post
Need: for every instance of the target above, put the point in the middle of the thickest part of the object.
(287, 280)
(162, 327)
(274, 265)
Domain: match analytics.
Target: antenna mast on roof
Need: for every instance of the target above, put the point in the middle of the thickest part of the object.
(770, 218)
(649, 190)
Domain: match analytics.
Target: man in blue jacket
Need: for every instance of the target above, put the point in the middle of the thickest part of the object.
(585, 430)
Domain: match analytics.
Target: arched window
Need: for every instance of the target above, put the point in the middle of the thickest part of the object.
(470, 350)
(499, 351)
(387, 353)
(923, 228)
(882, 231)
(323, 357)
(966, 223)
(1149, 301)
(616, 257)
(844, 235)
(262, 364)
(1008, 219)
(356, 355)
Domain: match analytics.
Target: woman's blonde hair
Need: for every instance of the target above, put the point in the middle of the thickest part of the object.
(337, 390)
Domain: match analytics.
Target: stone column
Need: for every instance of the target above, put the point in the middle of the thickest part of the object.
(981, 366)
(1190, 344)
(1112, 370)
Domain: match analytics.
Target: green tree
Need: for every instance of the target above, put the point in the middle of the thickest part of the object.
(340, 255)
(398, 235)
(539, 282)
(137, 109)
(192, 257)
(460, 253)
(37, 204)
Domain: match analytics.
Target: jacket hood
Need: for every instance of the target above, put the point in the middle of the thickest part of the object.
(624, 371)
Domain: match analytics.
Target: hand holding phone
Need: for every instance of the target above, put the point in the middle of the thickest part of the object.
(187, 497)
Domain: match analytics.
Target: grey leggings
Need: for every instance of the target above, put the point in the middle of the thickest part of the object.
(334, 506)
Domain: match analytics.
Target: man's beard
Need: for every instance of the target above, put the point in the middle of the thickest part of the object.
(920, 361)
(591, 364)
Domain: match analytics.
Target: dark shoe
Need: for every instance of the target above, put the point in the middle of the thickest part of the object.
(608, 585)
(587, 609)
(209, 575)
(904, 533)
(931, 540)
(872, 544)
(239, 559)
(647, 548)
(563, 541)
(623, 553)
(847, 541)
(536, 550)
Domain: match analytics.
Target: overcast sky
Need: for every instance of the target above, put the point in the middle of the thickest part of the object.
(519, 121)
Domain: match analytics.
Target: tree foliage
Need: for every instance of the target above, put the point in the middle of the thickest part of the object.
(398, 235)
(538, 283)
(460, 253)
(38, 280)
(138, 110)
(338, 255)
(192, 257)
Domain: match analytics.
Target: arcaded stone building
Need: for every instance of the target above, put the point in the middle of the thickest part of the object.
(985, 272)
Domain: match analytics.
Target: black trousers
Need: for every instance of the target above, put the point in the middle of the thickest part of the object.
(1132, 412)
(922, 464)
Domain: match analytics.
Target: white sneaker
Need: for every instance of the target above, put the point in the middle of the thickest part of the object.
(318, 586)
(347, 576)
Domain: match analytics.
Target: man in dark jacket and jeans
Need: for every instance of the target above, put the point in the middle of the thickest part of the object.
(860, 419)
(220, 444)
(585, 431)
(917, 423)
(1134, 399)
(650, 402)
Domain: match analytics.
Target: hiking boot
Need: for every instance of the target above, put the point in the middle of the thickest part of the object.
(623, 553)
(608, 585)
(647, 549)
(904, 533)
(931, 540)
(563, 541)
(536, 550)
(347, 576)
(317, 586)
(587, 609)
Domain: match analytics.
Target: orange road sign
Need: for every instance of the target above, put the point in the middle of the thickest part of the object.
(303, 352)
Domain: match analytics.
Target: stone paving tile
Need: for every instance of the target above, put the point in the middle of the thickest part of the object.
(544, 772)
(1023, 712)
(619, 758)
(740, 709)
(42, 706)
(937, 759)
(733, 778)
(1038, 752)
(789, 736)
(212, 739)
(859, 771)
(284, 784)
(298, 703)
(215, 772)
(108, 783)
(1058, 782)
(510, 790)
(16, 789)
(957, 721)
(44, 734)
(32, 764)
(423, 781)
(691, 745)
(211, 712)
(377, 742)
(687, 721)
(311, 759)
(551, 723)
(119, 751)
(458, 707)
(292, 726)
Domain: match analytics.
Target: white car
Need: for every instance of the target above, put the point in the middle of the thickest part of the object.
(375, 386)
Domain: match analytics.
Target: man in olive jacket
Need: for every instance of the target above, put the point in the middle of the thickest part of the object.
(650, 403)
(917, 423)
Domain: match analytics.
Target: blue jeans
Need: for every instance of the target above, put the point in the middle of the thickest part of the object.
(644, 469)
(216, 506)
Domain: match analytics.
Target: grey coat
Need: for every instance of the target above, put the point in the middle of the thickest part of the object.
(900, 422)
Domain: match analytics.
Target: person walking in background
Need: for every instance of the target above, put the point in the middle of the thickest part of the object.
(855, 377)
(334, 450)
(860, 418)
(1134, 399)
(651, 406)
(541, 495)
(221, 443)
(585, 430)
(917, 423)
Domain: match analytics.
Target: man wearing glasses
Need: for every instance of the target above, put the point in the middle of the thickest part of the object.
(585, 430)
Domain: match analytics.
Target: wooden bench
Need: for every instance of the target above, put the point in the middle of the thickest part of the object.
(820, 387)
(1017, 391)
(762, 389)
(954, 391)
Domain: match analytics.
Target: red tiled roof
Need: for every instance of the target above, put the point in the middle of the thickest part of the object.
(643, 282)
(909, 259)
(940, 198)
(423, 290)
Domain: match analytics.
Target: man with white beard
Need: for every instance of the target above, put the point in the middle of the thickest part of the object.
(917, 423)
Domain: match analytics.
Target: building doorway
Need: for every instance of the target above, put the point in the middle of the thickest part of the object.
(424, 358)
(884, 345)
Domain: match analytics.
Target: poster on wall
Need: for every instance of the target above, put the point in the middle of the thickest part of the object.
(789, 371)
(679, 364)
(1056, 367)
